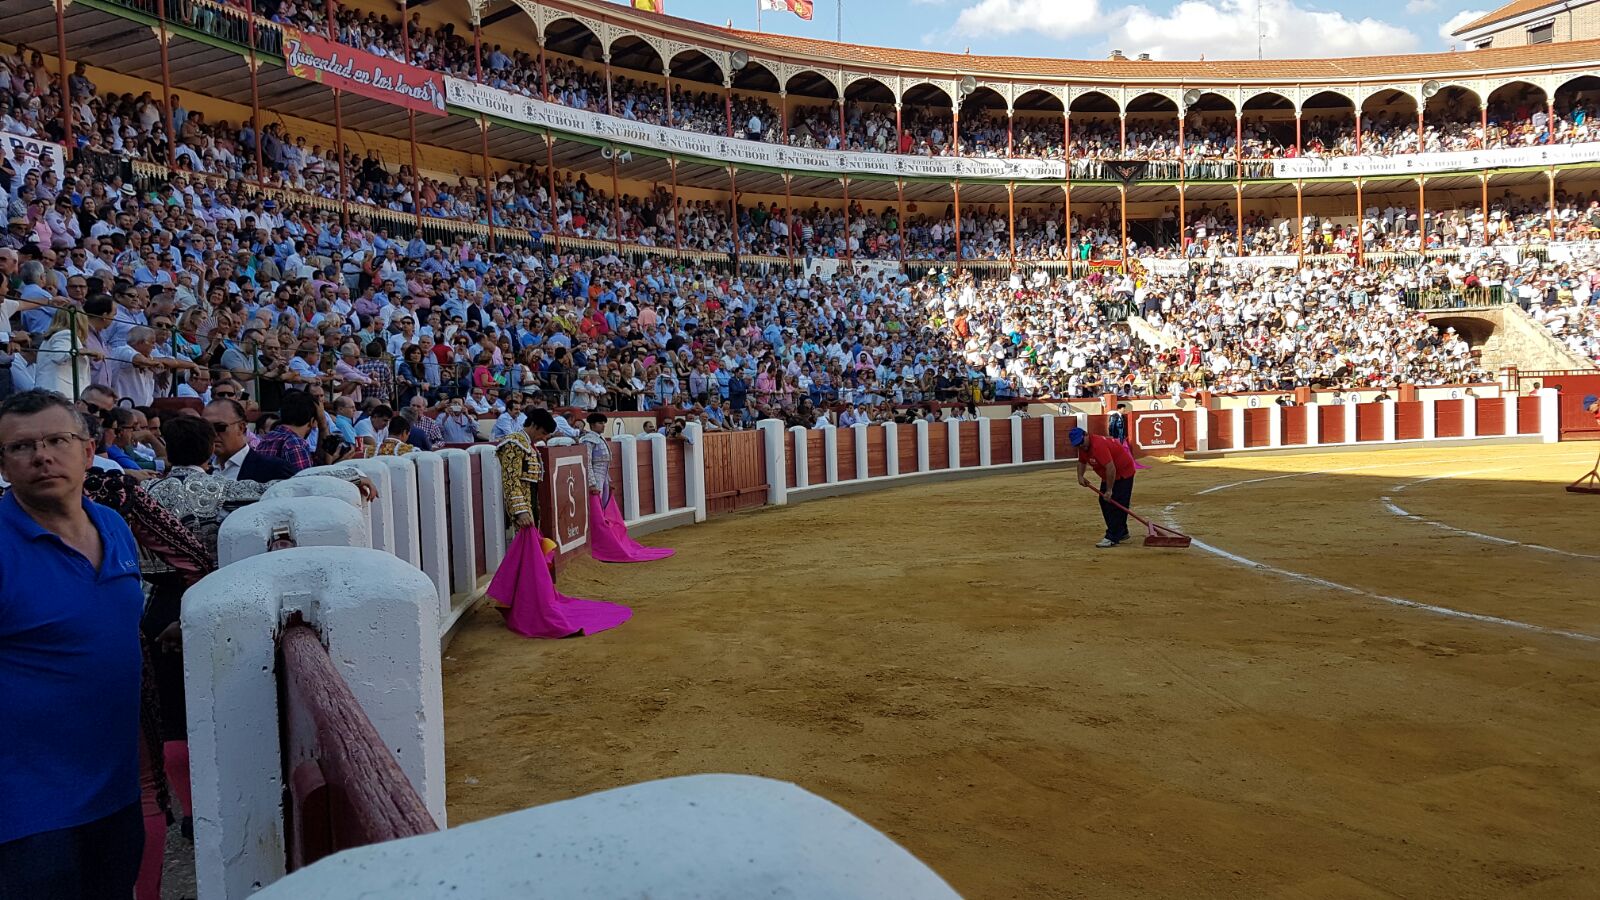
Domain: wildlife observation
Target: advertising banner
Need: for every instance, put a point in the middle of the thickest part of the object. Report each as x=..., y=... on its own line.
x=318, y=59
x=1419, y=163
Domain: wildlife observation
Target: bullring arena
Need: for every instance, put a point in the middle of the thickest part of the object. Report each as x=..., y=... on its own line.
x=849, y=315
x=1328, y=698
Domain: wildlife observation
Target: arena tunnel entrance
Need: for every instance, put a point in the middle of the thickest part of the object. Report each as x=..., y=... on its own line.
x=1475, y=330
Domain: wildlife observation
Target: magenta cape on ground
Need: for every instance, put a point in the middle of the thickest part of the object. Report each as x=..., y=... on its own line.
x=538, y=610
x=608, y=536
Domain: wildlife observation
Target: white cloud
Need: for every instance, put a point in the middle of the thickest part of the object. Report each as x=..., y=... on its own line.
x=1051, y=18
x=1227, y=29
x=1216, y=29
x=1418, y=7
x=1458, y=20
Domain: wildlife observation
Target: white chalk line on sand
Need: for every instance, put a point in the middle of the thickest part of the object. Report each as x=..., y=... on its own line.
x=1397, y=510
x=1385, y=598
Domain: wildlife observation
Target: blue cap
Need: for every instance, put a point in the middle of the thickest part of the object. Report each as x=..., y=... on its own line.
x=1590, y=401
x=1077, y=436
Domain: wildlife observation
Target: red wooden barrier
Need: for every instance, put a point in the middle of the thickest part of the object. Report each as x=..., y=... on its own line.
x=647, y=480
x=1491, y=415
x=1258, y=427
x=1369, y=421
x=1449, y=418
x=1219, y=428
x=1191, y=440
x=1408, y=420
x=677, y=477
x=905, y=437
x=736, y=471
x=969, y=444
x=816, y=457
x=480, y=541
x=847, y=454
x=1330, y=425
x=1293, y=426
x=345, y=788
x=1032, y=440
x=999, y=441
x=1528, y=418
x=877, y=452
x=791, y=461
x=1098, y=424
x=1064, y=426
x=938, y=445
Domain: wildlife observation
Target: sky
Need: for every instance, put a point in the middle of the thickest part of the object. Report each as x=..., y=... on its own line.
x=1091, y=29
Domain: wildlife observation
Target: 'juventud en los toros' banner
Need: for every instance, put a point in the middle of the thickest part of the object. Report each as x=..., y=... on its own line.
x=316, y=58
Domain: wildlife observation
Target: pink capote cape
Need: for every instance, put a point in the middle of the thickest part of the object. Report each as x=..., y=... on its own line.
x=537, y=609
x=608, y=536
x=1136, y=464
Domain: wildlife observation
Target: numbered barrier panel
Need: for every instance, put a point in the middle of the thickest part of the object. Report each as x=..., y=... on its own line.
x=877, y=452
x=969, y=444
x=1257, y=427
x=1330, y=425
x=1407, y=419
x=1449, y=418
x=1491, y=415
x=1293, y=425
x=999, y=440
x=938, y=446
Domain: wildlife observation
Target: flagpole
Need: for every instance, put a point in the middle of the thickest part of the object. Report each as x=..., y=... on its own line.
x=758, y=16
x=839, y=24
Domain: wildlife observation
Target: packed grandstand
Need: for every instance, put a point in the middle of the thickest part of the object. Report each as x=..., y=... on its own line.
x=585, y=208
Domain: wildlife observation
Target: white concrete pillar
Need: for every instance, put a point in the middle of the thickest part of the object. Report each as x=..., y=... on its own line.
x=694, y=470
x=985, y=442
x=777, y=461
x=628, y=446
x=433, y=527
x=1202, y=429
x=891, y=449
x=1389, y=415
x=860, y=431
x=380, y=512
x=1016, y=440
x=1313, y=425
x=1274, y=425
x=1049, y=437
x=378, y=618
x=310, y=484
x=305, y=520
x=797, y=444
x=1083, y=421
x=1512, y=399
x=1549, y=400
x=463, y=542
x=1349, y=423
x=1430, y=424
x=404, y=524
x=494, y=505
x=920, y=429
x=830, y=454
x=1469, y=417
x=1237, y=413
x=953, y=435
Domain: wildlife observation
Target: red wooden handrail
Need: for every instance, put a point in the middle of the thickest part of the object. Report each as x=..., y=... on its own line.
x=345, y=788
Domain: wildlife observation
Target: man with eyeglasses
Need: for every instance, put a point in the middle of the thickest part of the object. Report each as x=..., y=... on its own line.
x=70, y=665
x=236, y=461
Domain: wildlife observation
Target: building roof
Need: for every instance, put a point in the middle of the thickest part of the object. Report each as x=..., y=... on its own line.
x=1509, y=11
x=824, y=55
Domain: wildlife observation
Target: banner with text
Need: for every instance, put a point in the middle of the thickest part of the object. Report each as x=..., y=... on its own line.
x=528, y=111
x=1451, y=161
x=359, y=72
x=27, y=154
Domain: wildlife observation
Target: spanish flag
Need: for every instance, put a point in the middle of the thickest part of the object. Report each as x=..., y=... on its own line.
x=801, y=8
x=650, y=6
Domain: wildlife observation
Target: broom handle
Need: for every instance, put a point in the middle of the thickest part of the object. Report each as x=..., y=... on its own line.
x=1108, y=499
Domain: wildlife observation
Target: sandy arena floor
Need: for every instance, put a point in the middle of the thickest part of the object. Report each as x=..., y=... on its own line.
x=1395, y=708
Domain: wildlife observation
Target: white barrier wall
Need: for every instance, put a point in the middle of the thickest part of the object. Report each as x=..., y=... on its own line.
x=711, y=836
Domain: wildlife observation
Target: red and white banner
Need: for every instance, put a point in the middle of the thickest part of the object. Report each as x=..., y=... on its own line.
x=1156, y=432
x=316, y=58
x=801, y=8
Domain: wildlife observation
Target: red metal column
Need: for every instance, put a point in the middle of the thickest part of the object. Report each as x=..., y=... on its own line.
x=1483, y=180
x=255, y=92
x=1122, y=134
x=666, y=76
x=733, y=207
x=411, y=128
x=1299, y=217
x=957, y=188
x=610, y=109
x=788, y=217
x=1011, y=120
x=616, y=203
x=1550, y=111
x=483, y=137
x=1238, y=216
x=488, y=179
x=1011, y=221
x=899, y=129
x=900, y=199
x=1297, y=133
x=848, y=254
x=727, y=103
x=1122, y=197
x=844, y=140
x=677, y=231
x=1552, y=176
x=955, y=128
x=1358, y=130
x=344, y=162
x=166, y=84
x=1361, y=243
x=71, y=142
x=783, y=117
x=550, y=162
x=1422, y=213
x=544, y=73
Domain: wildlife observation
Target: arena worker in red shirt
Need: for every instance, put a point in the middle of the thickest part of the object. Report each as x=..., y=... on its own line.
x=1592, y=404
x=1114, y=464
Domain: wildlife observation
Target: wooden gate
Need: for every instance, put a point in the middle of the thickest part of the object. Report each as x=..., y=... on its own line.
x=736, y=471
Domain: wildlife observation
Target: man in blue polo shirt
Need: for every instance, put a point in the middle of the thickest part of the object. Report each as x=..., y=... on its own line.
x=70, y=666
